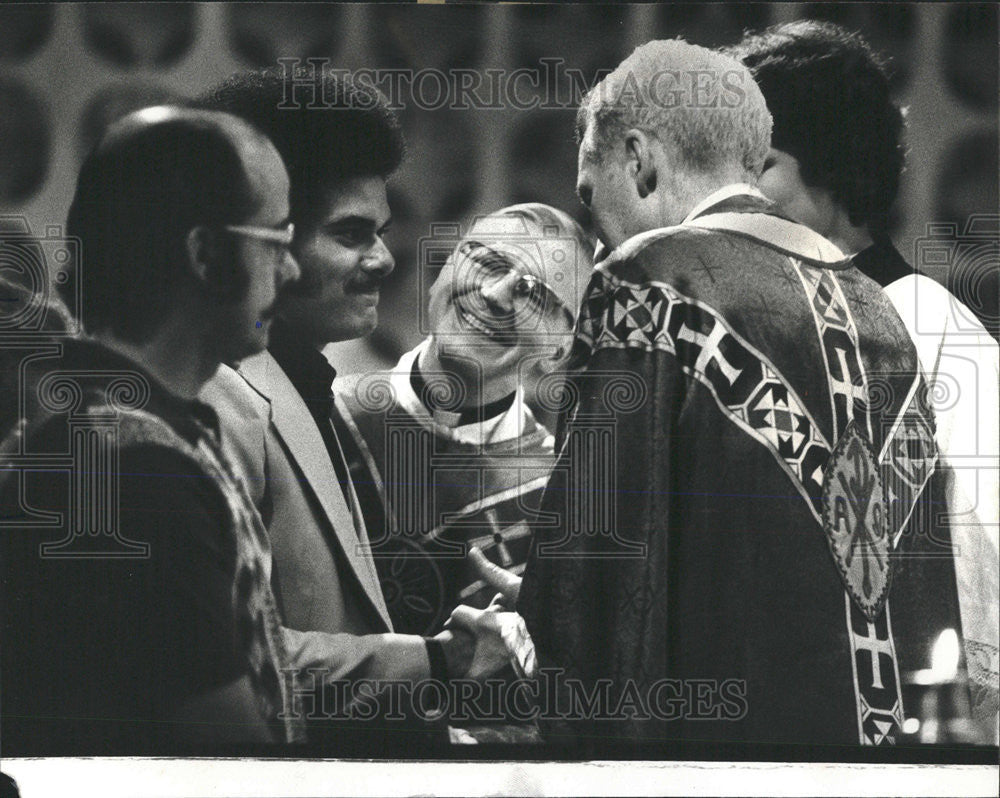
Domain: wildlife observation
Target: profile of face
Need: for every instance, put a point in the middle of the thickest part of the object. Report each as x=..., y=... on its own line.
x=343, y=261
x=261, y=247
x=508, y=293
x=603, y=186
x=781, y=181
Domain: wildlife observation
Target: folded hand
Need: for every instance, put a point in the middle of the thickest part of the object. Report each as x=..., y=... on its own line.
x=490, y=654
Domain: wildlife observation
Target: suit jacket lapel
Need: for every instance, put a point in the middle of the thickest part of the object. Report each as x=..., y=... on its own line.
x=296, y=427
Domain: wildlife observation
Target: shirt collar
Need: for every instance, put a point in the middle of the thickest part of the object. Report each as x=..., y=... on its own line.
x=717, y=197
x=503, y=427
x=309, y=371
x=456, y=418
x=741, y=209
x=883, y=263
x=720, y=195
x=189, y=417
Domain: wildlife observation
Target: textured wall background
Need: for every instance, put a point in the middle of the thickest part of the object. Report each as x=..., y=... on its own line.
x=67, y=70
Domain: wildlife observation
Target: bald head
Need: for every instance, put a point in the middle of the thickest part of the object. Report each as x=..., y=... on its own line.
x=154, y=176
x=159, y=117
x=560, y=252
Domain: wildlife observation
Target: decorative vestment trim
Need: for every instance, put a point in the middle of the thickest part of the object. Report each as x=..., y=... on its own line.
x=862, y=516
x=839, y=344
x=787, y=237
x=880, y=705
x=746, y=385
x=869, y=624
x=453, y=518
x=908, y=458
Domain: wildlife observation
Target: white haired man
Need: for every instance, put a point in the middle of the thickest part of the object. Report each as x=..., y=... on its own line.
x=445, y=449
x=730, y=495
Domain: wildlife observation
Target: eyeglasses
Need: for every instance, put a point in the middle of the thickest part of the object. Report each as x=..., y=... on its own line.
x=528, y=287
x=282, y=237
x=540, y=294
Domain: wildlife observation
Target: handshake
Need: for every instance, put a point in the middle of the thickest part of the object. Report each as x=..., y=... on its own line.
x=480, y=643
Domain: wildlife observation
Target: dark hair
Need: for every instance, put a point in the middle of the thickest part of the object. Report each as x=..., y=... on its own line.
x=327, y=127
x=828, y=92
x=139, y=193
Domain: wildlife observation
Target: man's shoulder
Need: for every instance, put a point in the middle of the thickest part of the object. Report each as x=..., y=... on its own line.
x=134, y=427
x=142, y=445
x=244, y=420
x=940, y=310
x=374, y=393
x=234, y=399
x=149, y=445
x=684, y=255
x=347, y=386
x=653, y=246
x=140, y=428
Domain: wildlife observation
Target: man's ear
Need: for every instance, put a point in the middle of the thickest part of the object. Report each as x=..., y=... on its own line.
x=560, y=354
x=202, y=253
x=640, y=161
x=211, y=263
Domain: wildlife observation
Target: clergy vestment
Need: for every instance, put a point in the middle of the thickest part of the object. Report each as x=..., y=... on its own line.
x=748, y=462
x=961, y=363
x=432, y=483
x=960, y=360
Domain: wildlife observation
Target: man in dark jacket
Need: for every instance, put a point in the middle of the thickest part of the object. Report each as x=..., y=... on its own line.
x=137, y=613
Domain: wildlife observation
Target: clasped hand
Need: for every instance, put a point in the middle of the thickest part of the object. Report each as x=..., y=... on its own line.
x=481, y=632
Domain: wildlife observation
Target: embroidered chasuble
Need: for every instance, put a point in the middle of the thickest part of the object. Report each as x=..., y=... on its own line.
x=742, y=495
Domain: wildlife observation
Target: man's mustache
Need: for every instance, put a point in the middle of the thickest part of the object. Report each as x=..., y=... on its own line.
x=304, y=286
x=312, y=284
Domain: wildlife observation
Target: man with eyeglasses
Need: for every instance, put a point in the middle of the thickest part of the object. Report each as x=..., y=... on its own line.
x=138, y=618
x=277, y=408
x=444, y=449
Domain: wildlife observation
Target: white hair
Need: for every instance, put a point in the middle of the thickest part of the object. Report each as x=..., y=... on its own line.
x=703, y=102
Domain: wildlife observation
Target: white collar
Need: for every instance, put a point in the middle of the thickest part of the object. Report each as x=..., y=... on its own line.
x=724, y=193
x=636, y=242
x=789, y=237
x=506, y=426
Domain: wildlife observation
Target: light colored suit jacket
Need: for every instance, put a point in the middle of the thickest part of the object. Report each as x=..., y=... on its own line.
x=323, y=576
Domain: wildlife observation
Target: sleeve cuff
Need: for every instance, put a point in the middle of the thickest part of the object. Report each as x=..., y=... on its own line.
x=435, y=655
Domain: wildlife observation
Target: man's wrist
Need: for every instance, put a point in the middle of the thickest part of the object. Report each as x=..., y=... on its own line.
x=438, y=660
x=450, y=654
